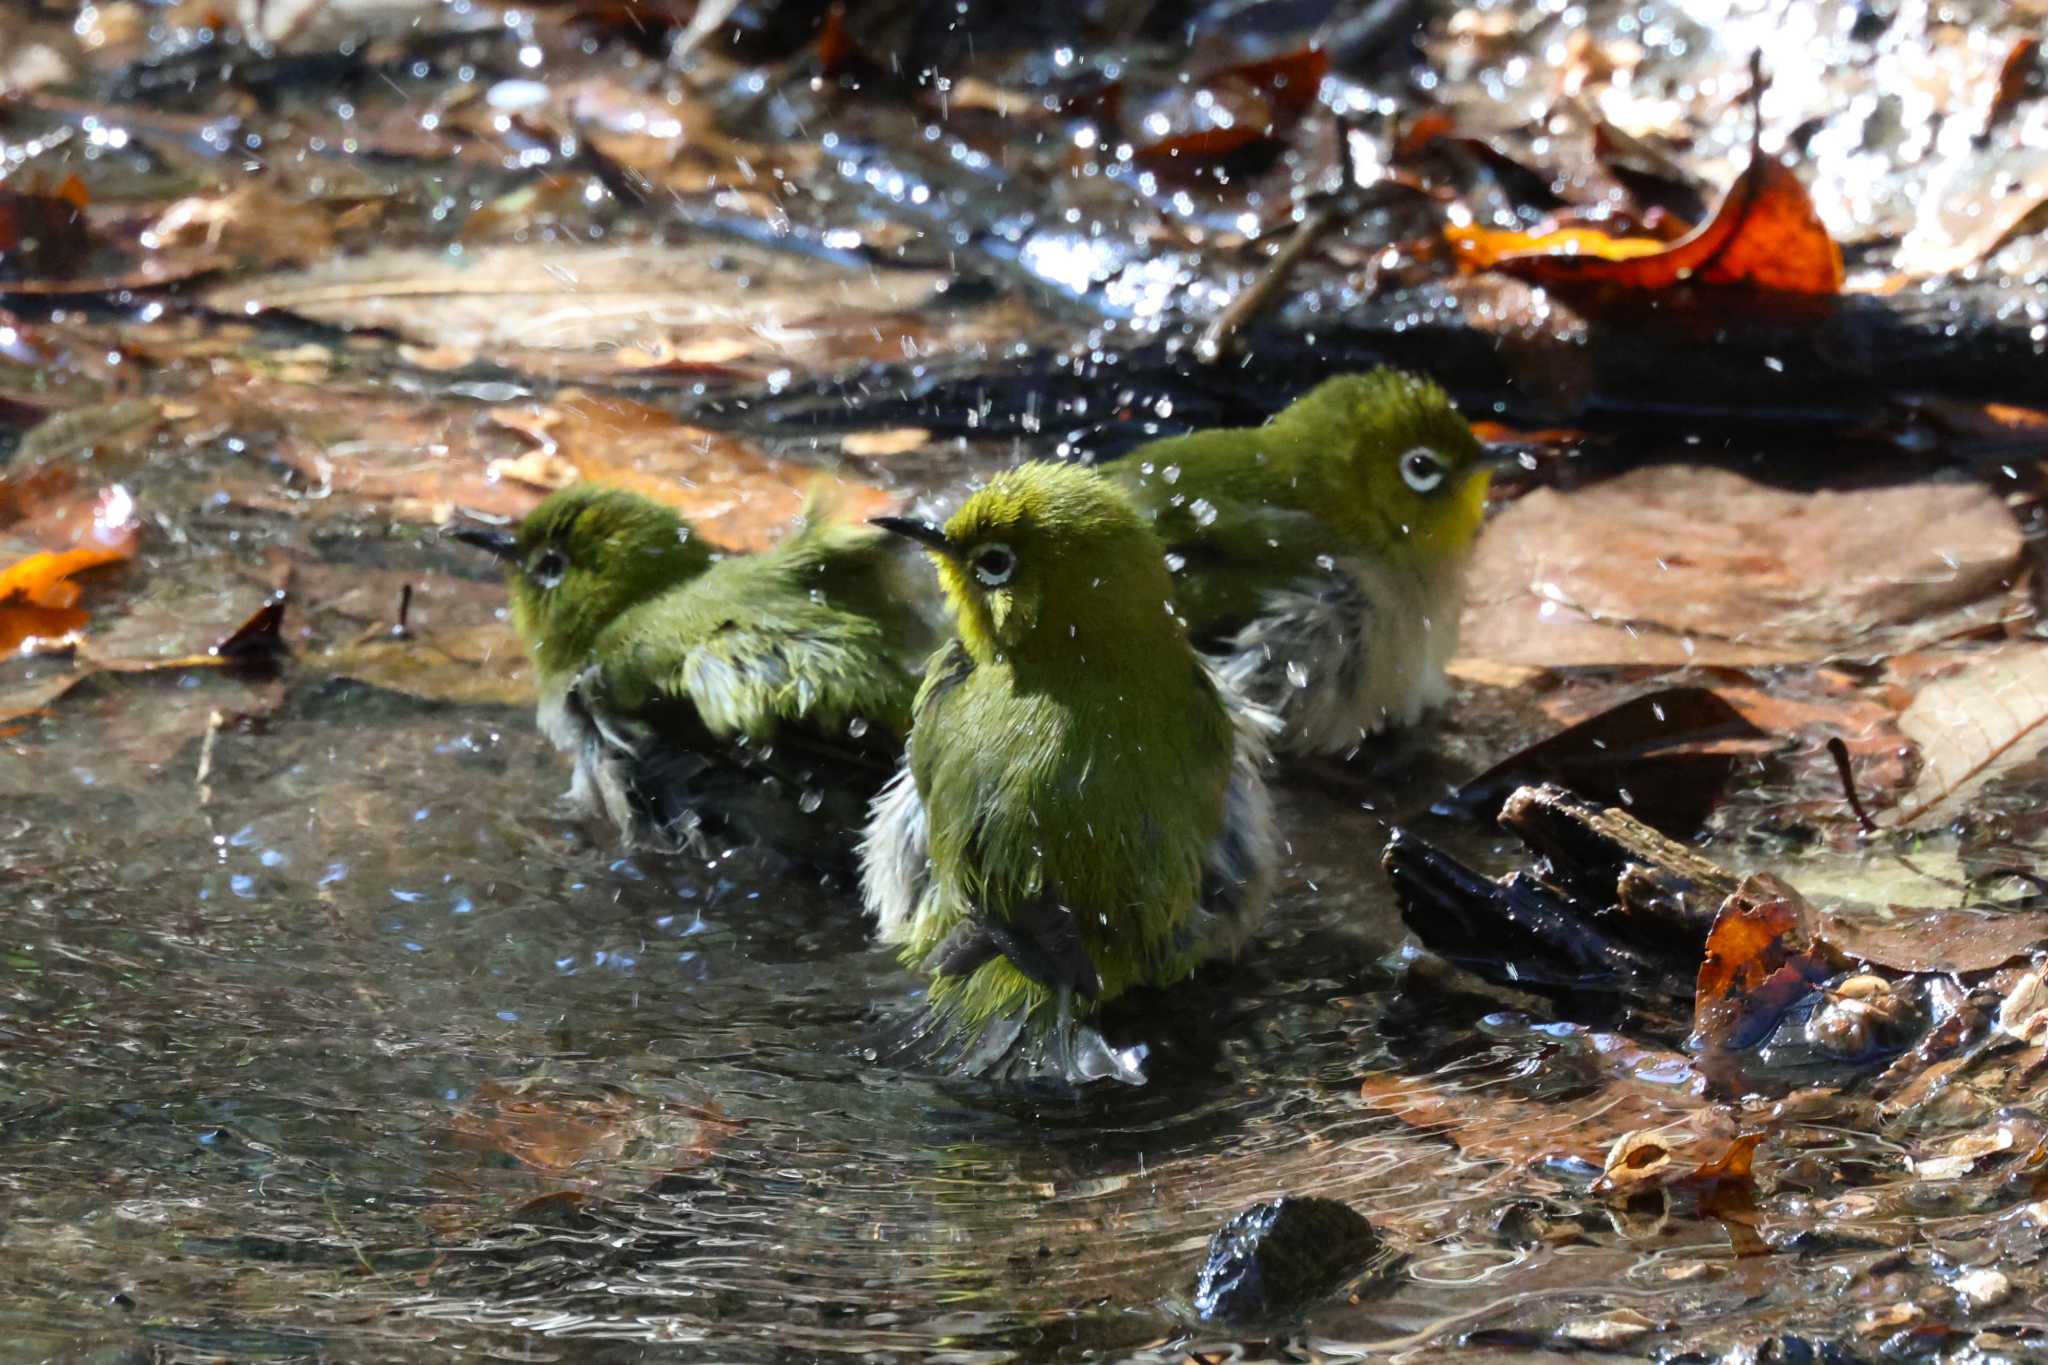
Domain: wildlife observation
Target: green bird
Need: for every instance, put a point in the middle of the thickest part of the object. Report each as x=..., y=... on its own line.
x=1080, y=811
x=710, y=700
x=1321, y=557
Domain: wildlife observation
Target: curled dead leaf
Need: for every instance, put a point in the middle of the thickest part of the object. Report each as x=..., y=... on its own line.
x=1648, y=1159
x=1764, y=236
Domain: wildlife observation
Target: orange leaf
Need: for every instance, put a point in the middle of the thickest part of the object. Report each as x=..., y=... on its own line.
x=44, y=578
x=1764, y=236
x=1485, y=248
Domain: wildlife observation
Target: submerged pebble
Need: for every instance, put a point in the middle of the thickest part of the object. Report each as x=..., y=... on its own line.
x=1279, y=1257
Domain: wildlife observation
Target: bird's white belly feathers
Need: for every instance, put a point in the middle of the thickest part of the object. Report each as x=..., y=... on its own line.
x=1346, y=654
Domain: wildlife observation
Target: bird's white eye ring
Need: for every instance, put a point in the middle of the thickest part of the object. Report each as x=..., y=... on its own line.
x=1423, y=470
x=548, y=568
x=994, y=563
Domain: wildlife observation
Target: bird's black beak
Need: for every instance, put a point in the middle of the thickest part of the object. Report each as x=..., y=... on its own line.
x=925, y=533
x=503, y=544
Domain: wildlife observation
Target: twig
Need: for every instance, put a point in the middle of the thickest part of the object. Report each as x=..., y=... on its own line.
x=1839, y=751
x=1219, y=338
x=214, y=721
x=403, y=631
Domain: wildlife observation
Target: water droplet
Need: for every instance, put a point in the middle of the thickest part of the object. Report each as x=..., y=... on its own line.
x=810, y=801
x=857, y=727
x=1297, y=674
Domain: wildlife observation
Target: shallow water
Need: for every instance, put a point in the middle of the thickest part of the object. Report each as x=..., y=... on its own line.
x=366, y=1056
x=323, y=1035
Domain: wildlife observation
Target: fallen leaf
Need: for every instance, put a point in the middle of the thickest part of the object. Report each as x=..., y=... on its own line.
x=898, y=441
x=1490, y=1124
x=2023, y=1014
x=569, y=308
x=1760, y=960
x=1676, y=564
x=734, y=493
x=1962, y=1155
x=1764, y=236
x=588, y=1130
x=1651, y=1158
x=1198, y=123
x=32, y=696
x=1970, y=727
x=1636, y=1158
x=1933, y=938
x=1664, y=756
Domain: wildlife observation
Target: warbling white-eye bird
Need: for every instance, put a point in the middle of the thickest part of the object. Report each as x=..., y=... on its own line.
x=1081, y=811
x=747, y=699
x=1321, y=557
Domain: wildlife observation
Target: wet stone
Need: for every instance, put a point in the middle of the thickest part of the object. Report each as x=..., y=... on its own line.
x=1279, y=1257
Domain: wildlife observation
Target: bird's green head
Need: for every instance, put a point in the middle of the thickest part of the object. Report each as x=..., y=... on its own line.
x=1412, y=474
x=1051, y=563
x=586, y=554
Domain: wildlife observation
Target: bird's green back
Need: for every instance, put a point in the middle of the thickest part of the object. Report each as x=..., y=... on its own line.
x=1244, y=509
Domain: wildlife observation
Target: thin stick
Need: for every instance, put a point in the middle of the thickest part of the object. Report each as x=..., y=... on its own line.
x=1219, y=338
x=1840, y=753
x=214, y=721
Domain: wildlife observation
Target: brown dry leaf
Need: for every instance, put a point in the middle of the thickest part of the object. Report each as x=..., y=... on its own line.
x=1490, y=1126
x=897, y=441
x=419, y=461
x=1935, y=939
x=1764, y=236
x=1971, y=726
x=732, y=492
x=544, y=306
x=1675, y=565
x=1653, y=1158
x=589, y=1132
x=2015, y=73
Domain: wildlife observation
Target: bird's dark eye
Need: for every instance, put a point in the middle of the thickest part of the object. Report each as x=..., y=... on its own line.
x=1423, y=470
x=993, y=564
x=547, y=568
